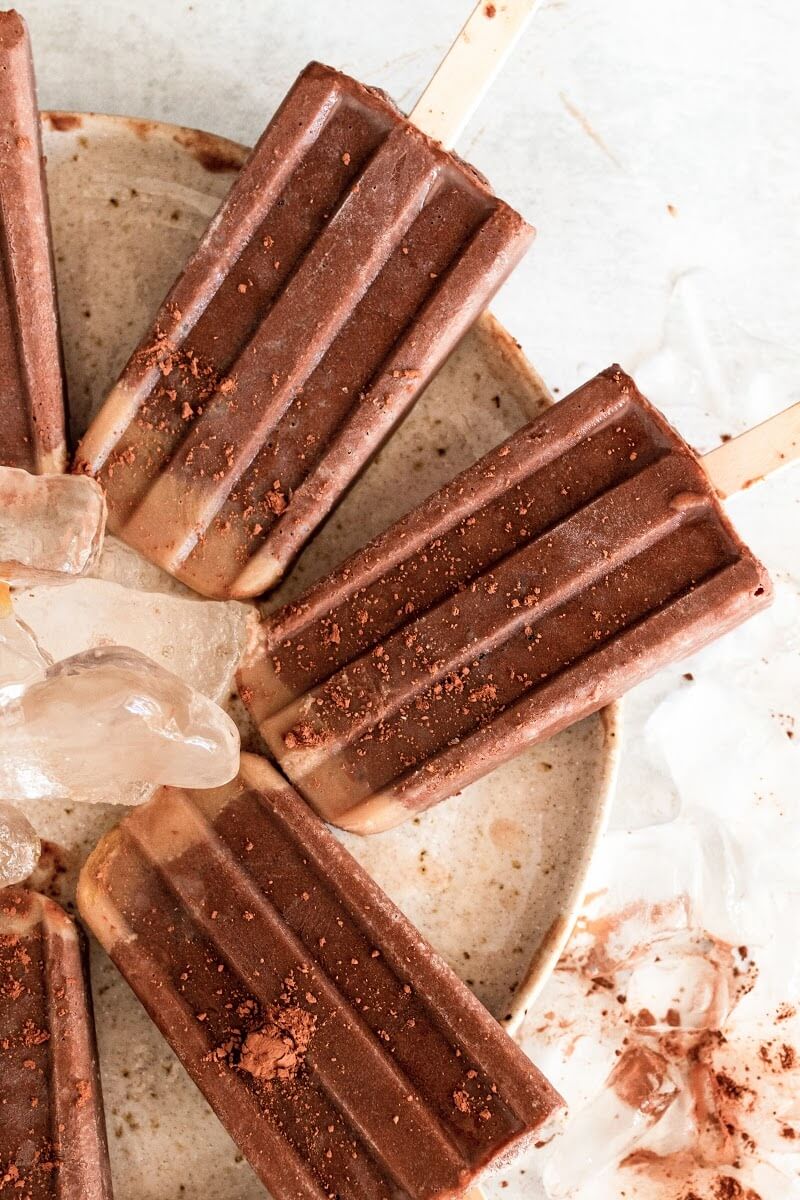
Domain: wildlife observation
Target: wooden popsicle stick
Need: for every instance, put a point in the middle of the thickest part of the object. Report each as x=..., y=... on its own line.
x=750, y=457
x=468, y=68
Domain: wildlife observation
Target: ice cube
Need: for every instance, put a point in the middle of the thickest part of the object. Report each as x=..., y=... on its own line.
x=19, y=845
x=107, y=718
x=120, y=563
x=51, y=526
x=681, y=988
x=635, y=1096
x=199, y=640
x=22, y=661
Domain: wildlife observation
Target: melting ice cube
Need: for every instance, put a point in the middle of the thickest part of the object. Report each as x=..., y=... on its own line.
x=108, y=717
x=635, y=1096
x=199, y=640
x=22, y=661
x=19, y=846
x=51, y=526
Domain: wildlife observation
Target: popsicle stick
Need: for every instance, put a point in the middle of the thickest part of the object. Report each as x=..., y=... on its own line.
x=750, y=457
x=468, y=68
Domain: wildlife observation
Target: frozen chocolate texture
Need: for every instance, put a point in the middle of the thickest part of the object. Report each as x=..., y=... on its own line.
x=347, y=261
x=52, y=1131
x=51, y=527
x=340, y=1052
x=568, y=564
x=32, y=409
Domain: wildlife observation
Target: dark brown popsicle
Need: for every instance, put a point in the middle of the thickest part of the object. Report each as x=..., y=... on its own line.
x=32, y=409
x=52, y=1130
x=349, y=258
x=341, y=1053
x=571, y=562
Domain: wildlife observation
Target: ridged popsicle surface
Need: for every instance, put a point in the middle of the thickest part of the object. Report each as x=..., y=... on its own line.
x=52, y=1128
x=32, y=398
x=343, y=1056
x=349, y=258
x=568, y=564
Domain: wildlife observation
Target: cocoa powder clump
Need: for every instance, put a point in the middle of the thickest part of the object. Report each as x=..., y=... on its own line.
x=277, y=1050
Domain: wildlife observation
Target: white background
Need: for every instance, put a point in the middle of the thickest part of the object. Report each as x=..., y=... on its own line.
x=693, y=103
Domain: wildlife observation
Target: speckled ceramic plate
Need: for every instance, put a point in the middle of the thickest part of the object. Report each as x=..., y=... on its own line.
x=492, y=877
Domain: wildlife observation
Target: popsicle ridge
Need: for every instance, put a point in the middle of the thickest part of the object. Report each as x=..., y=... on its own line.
x=351, y=255
x=52, y=1132
x=32, y=410
x=302, y=998
x=512, y=602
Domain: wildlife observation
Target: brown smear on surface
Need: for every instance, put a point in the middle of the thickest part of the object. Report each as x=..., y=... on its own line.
x=641, y=1081
x=678, y=1178
x=215, y=154
x=63, y=122
x=588, y=128
x=735, y=1091
x=141, y=127
x=505, y=834
x=598, y=957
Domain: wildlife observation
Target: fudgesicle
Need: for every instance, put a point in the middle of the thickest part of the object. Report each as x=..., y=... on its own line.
x=32, y=410
x=571, y=562
x=349, y=258
x=52, y=1129
x=340, y=1052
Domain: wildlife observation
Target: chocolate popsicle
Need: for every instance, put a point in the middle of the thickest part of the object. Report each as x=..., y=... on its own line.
x=340, y=1052
x=571, y=562
x=52, y=1131
x=32, y=405
x=349, y=258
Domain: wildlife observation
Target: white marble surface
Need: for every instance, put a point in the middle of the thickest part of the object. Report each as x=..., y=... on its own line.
x=655, y=147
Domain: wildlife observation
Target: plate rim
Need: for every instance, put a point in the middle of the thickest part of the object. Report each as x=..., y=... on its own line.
x=217, y=154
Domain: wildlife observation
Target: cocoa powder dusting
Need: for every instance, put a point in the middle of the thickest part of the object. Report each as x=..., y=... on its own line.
x=736, y=1092
x=27, y=1168
x=277, y=1050
x=302, y=734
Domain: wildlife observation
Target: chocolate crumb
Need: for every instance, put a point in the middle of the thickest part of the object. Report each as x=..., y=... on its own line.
x=277, y=1050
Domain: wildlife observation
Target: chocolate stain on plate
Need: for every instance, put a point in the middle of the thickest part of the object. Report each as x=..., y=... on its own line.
x=213, y=153
x=63, y=122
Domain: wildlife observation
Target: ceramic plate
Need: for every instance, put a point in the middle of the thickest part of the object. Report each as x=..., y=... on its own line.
x=492, y=877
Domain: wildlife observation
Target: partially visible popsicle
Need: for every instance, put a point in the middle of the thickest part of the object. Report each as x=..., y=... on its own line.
x=32, y=402
x=52, y=1130
x=349, y=258
x=341, y=1053
x=578, y=557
